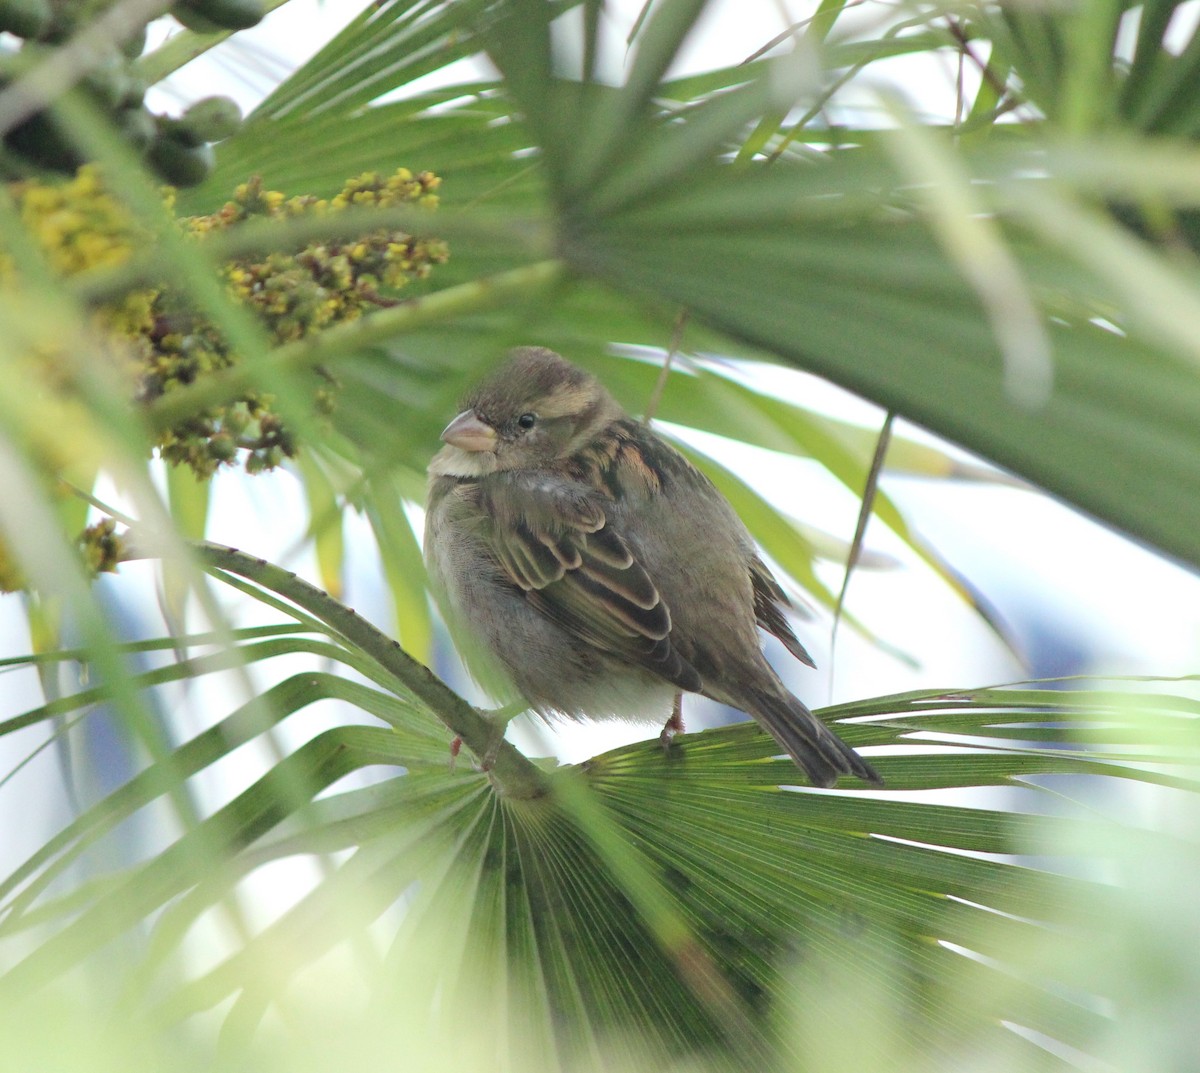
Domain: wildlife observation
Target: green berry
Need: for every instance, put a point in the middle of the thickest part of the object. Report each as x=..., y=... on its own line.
x=222, y=447
x=178, y=131
x=192, y=20
x=134, y=45
x=42, y=141
x=179, y=164
x=213, y=119
x=212, y=16
x=26, y=18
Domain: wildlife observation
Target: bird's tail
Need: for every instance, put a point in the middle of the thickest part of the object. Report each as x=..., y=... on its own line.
x=808, y=741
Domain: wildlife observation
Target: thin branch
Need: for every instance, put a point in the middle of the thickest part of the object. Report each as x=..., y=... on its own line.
x=986, y=72
x=660, y=384
x=511, y=772
x=864, y=516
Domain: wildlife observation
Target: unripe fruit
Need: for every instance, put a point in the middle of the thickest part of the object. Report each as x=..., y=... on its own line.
x=213, y=119
x=25, y=18
x=179, y=164
x=212, y=16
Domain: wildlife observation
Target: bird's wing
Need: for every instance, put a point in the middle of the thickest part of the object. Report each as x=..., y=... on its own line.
x=769, y=603
x=556, y=541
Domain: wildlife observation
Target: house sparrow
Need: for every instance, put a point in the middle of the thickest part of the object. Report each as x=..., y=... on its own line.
x=599, y=571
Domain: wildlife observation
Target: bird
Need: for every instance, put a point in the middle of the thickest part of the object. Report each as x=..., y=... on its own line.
x=594, y=570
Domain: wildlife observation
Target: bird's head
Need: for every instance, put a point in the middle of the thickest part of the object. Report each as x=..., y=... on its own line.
x=535, y=409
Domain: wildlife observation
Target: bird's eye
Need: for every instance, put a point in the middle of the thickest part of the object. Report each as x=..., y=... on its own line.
x=527, y=420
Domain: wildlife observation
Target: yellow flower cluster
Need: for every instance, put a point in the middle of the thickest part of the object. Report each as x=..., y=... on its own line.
x=326, y=283
x=101, y=548
x=294, y=293
x=76, y=222
x=77, y=226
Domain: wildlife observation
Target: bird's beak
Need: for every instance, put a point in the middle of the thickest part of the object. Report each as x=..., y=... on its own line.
x=468, y=433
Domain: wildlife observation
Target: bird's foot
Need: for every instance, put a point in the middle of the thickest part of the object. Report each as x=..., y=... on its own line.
x=674, y=725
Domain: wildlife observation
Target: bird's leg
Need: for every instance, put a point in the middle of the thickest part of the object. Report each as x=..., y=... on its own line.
x=674, y=725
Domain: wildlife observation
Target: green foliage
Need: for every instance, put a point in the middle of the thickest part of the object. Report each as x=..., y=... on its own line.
x=1023, y=282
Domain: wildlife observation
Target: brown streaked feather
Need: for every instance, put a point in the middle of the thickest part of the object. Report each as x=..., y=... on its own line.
x=578, y=571
x=511, y=566
x=615, y=463
x=567, y=555
x=630, y=585
x=590, y=622
x=607, y=546
x=538, y=562
x=652, y=623
x=634, y=468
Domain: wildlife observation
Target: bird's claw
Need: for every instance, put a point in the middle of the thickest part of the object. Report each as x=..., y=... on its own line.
x=673, y=726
